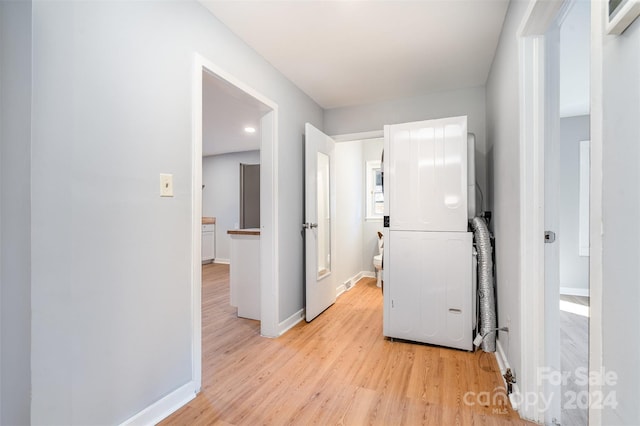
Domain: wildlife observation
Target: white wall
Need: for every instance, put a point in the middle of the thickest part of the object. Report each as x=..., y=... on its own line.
x=15, y=227
x=574, y=60
x=111, y=323
x=503, y=135
x=365, y=118
x=221, y=194
x=621, y=227
x=371, y=151
x=574, y=269
x=349, y=213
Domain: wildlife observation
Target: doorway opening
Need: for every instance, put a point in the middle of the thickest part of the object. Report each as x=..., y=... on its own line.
x=356, y=241
x=550, y=174
x=573, y=211
x=358, y=217
x=209, y=78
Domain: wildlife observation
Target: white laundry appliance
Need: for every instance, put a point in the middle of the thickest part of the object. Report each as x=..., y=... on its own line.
x=428, y=284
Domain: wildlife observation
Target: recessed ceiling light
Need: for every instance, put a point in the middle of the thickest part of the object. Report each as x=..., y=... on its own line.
x=250, y=129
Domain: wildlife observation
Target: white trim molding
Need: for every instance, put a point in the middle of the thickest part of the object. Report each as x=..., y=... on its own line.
x=626, y=13
x=574, y=291
x=531, y=220
x=515, y=397
x=350, y=137
x=353, y=281
x=196, y=221
x=161, y=409
x=595, y=206
x=535, y=89
x=269, y=257
x=290, y=322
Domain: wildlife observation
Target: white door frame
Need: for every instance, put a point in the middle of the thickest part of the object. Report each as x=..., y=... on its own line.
x=534, y=90
x=599, y=9
x=533, y=93
x=268, y=210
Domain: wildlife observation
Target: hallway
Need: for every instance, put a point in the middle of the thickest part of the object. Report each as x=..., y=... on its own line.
x=336, y=370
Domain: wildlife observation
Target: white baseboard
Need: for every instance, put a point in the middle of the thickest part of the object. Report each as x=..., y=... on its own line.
x=573, y=291
x=290, y=322
x=163, y=408
x=503, y=364
x=222, y=261
x=351, y=282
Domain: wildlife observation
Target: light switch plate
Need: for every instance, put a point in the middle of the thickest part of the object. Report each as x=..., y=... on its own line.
x=166, y=185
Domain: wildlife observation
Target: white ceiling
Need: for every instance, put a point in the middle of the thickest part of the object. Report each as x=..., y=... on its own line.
x=226, y=111
x=351, y=52
x=357, y=52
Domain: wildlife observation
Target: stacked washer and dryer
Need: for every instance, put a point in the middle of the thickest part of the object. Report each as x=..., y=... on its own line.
x=429, y=265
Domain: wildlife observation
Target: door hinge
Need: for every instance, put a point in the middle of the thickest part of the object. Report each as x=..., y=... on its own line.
x=386, y=221
x=549, y=237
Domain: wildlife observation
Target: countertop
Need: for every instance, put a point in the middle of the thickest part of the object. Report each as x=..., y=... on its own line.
x=208, y=220
x=251, y=231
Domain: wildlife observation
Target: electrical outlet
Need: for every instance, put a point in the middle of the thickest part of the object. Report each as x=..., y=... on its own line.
x=166, y=185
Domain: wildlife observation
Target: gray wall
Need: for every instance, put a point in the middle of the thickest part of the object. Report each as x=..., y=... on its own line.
x=15, y=226
x=349, y=214
x=574, y=269
x=503, y=159
x=365, y=118
x=111, y=264
x=621, y=227
x=221, y=195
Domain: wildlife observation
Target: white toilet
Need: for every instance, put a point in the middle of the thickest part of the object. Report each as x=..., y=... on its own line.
x=377, y=259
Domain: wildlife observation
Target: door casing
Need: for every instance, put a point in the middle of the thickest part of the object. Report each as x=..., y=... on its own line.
x=269, y=256
x=538, y=81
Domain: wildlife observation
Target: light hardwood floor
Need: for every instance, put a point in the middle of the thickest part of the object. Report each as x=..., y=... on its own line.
x=338, y=369
x=574, y=353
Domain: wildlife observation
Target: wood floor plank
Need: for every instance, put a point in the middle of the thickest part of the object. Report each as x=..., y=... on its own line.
x=338, y=369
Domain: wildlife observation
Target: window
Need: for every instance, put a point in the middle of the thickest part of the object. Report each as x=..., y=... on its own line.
x=374, y=195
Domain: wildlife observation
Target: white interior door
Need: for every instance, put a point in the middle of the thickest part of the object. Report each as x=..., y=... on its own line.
x=319, y=224
x=553, y=388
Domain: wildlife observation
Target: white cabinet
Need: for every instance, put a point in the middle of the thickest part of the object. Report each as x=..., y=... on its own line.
x=208, y=242
x=244, y=272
